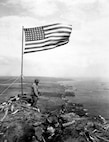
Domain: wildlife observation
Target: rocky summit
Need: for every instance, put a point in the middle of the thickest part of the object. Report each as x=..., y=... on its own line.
x=51, y=120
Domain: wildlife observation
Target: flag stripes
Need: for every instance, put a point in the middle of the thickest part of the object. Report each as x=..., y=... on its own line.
x=51, y=47
x=46, y=37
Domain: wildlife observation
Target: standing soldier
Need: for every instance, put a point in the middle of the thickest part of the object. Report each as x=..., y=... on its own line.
x=35, y=92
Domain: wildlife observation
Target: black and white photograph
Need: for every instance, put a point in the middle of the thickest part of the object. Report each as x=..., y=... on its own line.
x=54, y=71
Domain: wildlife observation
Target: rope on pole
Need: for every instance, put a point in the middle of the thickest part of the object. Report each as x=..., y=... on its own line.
x=4, y=83
x=7, y=80
x=9, y=86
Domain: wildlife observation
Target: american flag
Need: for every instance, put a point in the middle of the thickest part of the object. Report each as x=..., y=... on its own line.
x=46, y=37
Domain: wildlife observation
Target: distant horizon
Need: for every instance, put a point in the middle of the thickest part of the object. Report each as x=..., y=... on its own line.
x=60, y=77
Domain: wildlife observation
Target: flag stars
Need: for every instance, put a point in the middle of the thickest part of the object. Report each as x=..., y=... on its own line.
x=33, y=34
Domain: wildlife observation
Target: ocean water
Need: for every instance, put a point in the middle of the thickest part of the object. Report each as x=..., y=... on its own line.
x=92, y=93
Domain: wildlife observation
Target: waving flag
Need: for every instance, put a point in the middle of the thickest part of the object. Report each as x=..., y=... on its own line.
x=46, y=37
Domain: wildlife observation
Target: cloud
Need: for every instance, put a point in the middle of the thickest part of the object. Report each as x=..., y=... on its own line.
x=77, y=9
x=75, y=12
x=84, y=10
x=88, y=46
x=72, y=10
x=36, y=7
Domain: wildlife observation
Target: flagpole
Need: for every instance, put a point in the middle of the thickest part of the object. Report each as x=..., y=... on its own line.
x=22, y=63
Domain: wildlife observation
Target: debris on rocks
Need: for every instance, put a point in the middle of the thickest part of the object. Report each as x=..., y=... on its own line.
x=21, y=122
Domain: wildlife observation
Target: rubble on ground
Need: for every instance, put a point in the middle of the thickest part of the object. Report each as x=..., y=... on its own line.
x=21, y=122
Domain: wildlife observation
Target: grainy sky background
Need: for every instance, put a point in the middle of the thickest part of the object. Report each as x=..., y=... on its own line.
x=87, y=53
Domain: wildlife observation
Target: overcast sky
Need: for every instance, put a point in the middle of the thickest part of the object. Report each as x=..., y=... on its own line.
x=86, y=54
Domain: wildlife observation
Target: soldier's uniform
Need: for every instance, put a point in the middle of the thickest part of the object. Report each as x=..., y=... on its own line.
x=35, y=93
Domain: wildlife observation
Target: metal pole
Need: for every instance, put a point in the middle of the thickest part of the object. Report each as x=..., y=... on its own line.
x=22, y=63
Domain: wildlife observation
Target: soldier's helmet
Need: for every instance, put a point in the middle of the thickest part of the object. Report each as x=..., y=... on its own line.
x=36, y=81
